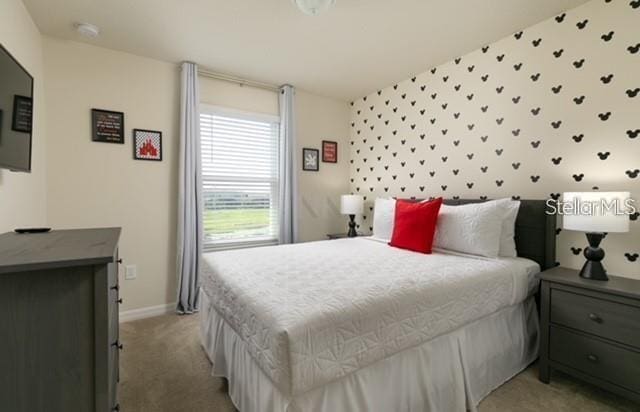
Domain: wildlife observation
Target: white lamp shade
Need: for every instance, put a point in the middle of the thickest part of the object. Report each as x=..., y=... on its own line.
x=595, y=211
x=351, y=204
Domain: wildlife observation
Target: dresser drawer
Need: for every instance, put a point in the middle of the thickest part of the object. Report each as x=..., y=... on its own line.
x=114, y=378
x=114, y=318
x=595, y=357
x=611, y=320
x=112, y=270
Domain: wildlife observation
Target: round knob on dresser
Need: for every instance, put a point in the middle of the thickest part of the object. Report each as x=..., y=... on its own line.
x=595, y=318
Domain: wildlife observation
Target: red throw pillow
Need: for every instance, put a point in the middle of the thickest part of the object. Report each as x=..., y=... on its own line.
x=415, y=225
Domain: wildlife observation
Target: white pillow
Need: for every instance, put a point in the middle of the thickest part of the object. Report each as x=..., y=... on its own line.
x=384, y=215
x=507, y=238
x=473, y=228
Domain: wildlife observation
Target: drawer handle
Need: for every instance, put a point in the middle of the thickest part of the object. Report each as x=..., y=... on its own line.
x=119, y=260
x=118, y=345
x=595, y=318
x=116, y=408
x=592, y=357
x=116, y=287
x=120, y=300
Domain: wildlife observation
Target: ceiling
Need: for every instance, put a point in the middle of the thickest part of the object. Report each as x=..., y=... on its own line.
x=352, y=50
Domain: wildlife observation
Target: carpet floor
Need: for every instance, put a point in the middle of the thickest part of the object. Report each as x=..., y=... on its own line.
x=163, y=368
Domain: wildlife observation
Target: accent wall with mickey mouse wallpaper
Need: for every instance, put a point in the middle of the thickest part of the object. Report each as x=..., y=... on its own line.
x=552, y=108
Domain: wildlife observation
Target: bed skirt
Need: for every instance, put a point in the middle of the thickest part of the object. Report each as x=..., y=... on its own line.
x=452, y=372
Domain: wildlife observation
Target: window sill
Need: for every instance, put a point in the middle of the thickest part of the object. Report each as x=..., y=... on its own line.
x=215, y=247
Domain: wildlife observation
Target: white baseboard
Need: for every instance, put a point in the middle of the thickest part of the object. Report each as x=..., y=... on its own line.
x=148, y=312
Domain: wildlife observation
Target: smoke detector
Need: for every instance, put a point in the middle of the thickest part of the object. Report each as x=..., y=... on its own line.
x=87, y=30
x=314, y=7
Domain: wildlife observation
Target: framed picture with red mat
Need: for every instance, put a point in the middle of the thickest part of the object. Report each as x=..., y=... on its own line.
x=329, y=151
x=147, y=145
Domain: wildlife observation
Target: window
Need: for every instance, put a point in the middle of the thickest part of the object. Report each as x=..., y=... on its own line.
x=239, y=177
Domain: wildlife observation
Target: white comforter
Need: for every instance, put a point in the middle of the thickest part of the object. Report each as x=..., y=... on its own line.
x=313, y=312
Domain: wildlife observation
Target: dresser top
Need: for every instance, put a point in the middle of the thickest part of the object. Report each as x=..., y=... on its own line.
x=616, y=285
x=58, y=248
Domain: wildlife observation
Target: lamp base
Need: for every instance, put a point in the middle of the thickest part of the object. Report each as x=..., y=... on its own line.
x=352, y=226
x=593, y=268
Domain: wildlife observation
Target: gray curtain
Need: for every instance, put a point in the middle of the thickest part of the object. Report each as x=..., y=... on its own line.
x=190, y=234
x=288, y=210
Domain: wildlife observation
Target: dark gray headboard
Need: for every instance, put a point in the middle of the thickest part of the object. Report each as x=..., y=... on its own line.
x=535, y=230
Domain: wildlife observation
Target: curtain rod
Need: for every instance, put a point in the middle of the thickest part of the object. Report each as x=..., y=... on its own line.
x=237, y=80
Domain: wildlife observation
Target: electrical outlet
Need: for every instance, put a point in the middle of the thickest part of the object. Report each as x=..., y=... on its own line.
x=130, y=272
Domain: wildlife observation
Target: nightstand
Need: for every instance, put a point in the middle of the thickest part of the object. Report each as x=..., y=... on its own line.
x=332, y=236
x=591, y=330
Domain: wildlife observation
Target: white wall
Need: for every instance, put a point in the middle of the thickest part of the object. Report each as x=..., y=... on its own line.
x=234, y=96
x=23, y=195
x=99, y=184
x=321, y=118
x=437, y=133
x=93, y=184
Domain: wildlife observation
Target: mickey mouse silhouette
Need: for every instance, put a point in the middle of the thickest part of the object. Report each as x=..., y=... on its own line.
x=631, y=257
x=606, y=79
x=607, y=36
x=633, y=93
x=632, y=173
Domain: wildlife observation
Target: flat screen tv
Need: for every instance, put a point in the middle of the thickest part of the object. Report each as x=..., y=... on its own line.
x=16, y=114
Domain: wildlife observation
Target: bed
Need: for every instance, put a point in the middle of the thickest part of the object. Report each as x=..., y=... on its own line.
x=354, y=324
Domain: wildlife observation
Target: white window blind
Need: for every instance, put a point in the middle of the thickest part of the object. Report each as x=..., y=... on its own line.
x=240, y=177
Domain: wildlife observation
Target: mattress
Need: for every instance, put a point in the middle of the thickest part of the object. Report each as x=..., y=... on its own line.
x=314, y=312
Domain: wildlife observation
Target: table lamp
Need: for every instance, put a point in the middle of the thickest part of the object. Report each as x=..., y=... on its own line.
x=351, y=205
x=596, y=213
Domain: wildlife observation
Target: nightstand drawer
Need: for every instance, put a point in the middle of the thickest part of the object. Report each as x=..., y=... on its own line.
x=611, y=320
x=595, y=357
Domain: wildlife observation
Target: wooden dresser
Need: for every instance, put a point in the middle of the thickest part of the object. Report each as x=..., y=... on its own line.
x=59, y=299
x=591, y=329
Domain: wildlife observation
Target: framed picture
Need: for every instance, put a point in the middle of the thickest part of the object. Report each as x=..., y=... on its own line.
x=147, y=144
x=329, y=151
x=310, y=159
x=22, y=114
x=107, y=126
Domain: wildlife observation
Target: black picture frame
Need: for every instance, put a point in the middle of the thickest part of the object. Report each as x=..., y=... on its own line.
x=333, y=148
x=22, y=119
x=139, y=134
x=107, y=126
x=309, y=166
